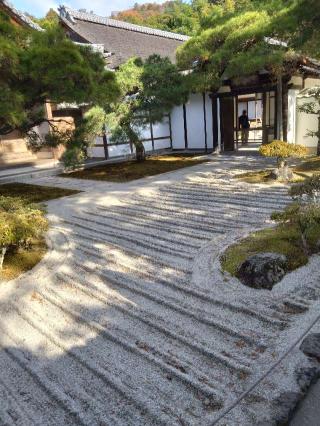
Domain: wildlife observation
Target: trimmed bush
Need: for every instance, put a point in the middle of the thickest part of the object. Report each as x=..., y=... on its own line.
x=309, y=190
x=281, y=150
x=20, y=222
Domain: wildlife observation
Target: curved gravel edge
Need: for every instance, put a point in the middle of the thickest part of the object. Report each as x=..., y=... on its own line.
x=285, y=404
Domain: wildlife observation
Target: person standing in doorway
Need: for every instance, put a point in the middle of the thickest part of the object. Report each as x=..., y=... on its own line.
x=244, y=125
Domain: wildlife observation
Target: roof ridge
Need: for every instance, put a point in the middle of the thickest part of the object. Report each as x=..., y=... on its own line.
x=67, y=12
x=22, y=16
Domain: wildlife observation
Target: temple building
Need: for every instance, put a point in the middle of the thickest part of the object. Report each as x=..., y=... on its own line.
x=209, y=121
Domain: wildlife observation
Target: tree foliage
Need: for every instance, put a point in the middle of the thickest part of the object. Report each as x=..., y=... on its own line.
x=304, y=216
x=50, y=20
x=176, y=16
x=312, y=106
x=237, y=38
x=40, y=66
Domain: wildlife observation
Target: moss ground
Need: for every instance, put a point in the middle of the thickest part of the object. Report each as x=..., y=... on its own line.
x=302, y=170
x=131, y=170
x=282, y=239
x=17, y=263
x=34, y=193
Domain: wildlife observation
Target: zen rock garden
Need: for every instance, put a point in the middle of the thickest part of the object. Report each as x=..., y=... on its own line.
x=159, y=213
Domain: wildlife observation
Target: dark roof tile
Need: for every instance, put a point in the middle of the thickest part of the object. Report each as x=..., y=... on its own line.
x=122, y=39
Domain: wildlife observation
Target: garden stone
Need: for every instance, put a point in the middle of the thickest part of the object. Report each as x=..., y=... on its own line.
x=282, y=174
x=263, y=270
x=311, y=346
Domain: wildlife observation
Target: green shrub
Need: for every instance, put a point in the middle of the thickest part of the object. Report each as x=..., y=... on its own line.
x=308, y=190
x=20, y=222
x=281, y=150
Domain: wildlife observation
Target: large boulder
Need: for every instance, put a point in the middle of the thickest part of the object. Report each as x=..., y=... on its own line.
x=263, y=270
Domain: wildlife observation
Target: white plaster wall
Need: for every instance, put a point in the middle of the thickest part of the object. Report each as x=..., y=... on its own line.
x=162, y=144
x=118, y=150
x=147, y=146
x=195, y=122
x=177, y=128
x=97, y=152
x=162, y=129
x=292, y=108
x=143, y=132
x=305, y=123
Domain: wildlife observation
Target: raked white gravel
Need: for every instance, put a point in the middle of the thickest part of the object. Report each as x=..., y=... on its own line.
x=129, y=320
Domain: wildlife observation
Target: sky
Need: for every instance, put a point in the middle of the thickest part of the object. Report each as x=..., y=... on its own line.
x=39, y=8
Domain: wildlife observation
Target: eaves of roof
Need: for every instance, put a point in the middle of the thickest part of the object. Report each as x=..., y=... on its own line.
x=20, y=16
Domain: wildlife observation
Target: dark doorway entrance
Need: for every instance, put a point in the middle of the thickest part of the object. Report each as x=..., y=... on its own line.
x=261, y=110
x=227, y=123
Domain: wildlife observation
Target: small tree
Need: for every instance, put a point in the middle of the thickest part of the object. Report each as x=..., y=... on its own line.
x=303, y=216
x=312, y=107
x=304, y=212
x=149, y=90
x=37, y=66
x=282, y=151
x=76, y=140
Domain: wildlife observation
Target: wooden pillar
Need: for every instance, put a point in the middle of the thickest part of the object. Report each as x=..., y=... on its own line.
x=236, y=120
x=264, y=118
x=170, y=130
x=205, y=122
x=279, y=133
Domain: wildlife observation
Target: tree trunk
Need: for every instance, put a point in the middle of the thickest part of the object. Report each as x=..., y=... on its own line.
x=3, y=251
x=140, y=151
x=134, y=139
x=279, y=108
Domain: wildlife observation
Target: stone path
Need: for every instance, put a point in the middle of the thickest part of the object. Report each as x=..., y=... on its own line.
x=128, y=320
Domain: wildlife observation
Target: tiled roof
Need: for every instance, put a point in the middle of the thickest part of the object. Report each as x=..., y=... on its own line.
x=20, y=16
x=120, y=39
x=90, y=17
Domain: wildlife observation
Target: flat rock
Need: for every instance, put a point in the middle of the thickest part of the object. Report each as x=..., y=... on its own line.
x=263, y=270
x=311, y=345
